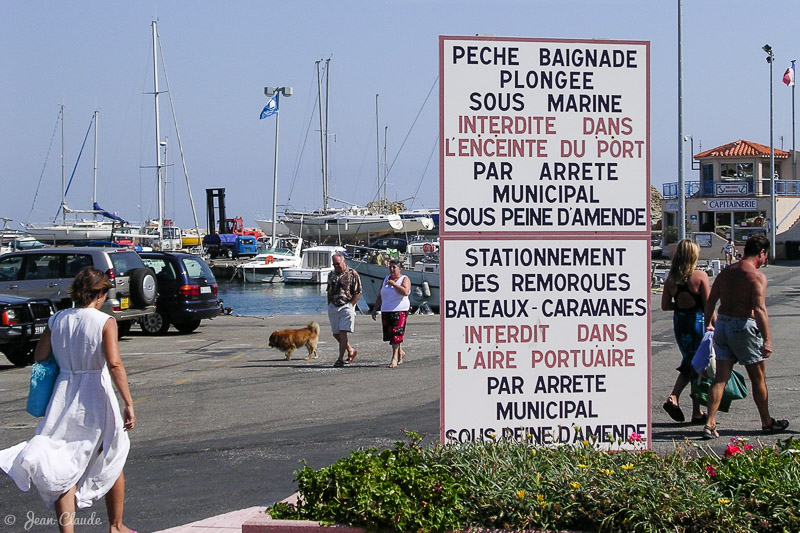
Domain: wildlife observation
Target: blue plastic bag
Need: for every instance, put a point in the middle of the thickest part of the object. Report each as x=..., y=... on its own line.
x=702, y=358
x=43, y=380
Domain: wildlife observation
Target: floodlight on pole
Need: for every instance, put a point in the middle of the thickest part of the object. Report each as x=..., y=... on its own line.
x=276, y=92
x=773, y=221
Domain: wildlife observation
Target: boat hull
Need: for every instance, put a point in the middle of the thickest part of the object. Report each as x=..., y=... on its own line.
x=424, y=285
x=262, y=275
x=343, y=226
x=307, y=276
x=72, y=233
x=267, y=267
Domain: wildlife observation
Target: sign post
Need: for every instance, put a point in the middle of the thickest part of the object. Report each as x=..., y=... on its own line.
x=545, y=240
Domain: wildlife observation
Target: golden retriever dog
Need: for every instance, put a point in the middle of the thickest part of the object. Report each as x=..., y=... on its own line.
x=289, y=340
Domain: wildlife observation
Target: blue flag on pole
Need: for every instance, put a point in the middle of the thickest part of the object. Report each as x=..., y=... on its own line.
x=271, y=108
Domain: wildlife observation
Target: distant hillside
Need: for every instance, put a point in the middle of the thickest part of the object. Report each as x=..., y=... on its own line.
x=655, y=204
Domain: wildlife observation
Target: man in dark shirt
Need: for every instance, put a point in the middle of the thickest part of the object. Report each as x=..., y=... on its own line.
x=344, y=290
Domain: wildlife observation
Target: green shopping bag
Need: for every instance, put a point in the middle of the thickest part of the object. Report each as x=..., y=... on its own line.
x=735, y=389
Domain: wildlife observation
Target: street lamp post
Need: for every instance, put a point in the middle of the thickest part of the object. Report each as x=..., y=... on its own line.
x=276, y=92
x=681, y=178
x=773, y=221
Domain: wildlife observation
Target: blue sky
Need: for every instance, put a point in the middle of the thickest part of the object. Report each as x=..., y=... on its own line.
x=220, y=55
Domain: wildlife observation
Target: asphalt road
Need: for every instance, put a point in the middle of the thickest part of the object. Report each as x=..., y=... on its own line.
x=223, y=421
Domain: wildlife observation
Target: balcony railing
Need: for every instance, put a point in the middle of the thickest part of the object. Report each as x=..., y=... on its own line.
x=708, y=189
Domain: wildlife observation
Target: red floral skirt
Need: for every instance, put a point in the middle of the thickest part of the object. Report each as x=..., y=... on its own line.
x=394, y=326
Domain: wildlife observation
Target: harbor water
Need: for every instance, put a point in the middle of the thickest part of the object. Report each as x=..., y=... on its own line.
x=266, y=299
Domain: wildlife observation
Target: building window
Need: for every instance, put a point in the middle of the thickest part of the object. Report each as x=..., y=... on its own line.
x=708, y=172
x=736, y=171
x=765, y=171
x=743, y=224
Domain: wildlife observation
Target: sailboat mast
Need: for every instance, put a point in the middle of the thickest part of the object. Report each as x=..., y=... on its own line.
x=378, y=144
x=158, y=135
x=385, y=163
x=322, y=143
x=327, y=101
x=180, y=144
x=94, y=179
x=63, y=173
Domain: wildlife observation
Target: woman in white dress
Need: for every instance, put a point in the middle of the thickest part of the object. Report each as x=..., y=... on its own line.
x=394, y=305
x=80, y=446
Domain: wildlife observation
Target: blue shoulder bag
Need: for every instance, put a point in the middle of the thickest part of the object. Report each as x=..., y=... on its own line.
x=43, y=380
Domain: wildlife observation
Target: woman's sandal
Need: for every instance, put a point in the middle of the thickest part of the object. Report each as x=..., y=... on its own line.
x=674, y=411
x=776, y=426
x=710, y=432
x=350, y=357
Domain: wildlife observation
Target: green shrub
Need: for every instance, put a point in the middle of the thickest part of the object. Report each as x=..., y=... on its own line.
x=512, y=485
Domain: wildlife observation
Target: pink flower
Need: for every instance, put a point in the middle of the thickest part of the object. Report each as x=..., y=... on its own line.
x=732, y=450
x=635, y=437
x=748, y=446
x=710, y=470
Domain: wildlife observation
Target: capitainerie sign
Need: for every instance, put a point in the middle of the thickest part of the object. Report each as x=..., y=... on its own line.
x=545, y=248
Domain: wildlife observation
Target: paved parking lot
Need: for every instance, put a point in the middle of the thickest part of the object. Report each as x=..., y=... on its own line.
x=223, y=421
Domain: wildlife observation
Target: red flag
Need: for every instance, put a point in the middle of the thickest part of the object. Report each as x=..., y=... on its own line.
x=788, y=76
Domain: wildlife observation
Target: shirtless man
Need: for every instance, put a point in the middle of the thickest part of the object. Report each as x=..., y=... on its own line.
x=741, y=333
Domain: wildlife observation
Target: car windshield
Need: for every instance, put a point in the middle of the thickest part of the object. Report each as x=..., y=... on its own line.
x=125, y=262
x=197, y=270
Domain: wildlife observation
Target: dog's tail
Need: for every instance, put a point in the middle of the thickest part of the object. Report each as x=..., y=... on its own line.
x=313, y=326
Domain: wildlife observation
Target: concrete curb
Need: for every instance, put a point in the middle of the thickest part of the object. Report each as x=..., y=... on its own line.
x=224, y=523
x=263, y=523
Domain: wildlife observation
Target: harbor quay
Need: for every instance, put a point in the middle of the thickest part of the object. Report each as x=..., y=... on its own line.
x=223, y=420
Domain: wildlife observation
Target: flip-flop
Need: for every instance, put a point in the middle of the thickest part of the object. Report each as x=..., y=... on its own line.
x=674, y=411
x=710, y=433
x=776, y=426
x=338, y=363
x=351, y=357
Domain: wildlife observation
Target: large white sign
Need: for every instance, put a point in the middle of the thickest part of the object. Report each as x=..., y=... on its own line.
x=546, y=340
x=544, y=135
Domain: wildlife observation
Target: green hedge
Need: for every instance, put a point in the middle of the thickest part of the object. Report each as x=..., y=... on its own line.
x=512, y=485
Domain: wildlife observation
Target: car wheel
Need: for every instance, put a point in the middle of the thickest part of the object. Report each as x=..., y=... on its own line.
x=19, y=355
x=144, y=287
x=123, y=328
x=155, y=324
x=188, y=327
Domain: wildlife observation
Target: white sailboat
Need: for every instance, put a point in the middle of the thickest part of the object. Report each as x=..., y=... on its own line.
x=78, y=231
x=160, y=233
x=345, y=223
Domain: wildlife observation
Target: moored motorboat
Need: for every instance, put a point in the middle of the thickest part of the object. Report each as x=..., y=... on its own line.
x=267, y=266
x=316, y=266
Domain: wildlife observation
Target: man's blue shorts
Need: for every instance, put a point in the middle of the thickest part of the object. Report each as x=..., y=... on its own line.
x=737, y=339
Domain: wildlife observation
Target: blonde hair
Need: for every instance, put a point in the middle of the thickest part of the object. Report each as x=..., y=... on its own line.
x=684, y=262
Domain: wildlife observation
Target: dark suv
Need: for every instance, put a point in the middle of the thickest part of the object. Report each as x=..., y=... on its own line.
x=48, y=273
x=187, y=292
x=22, y=322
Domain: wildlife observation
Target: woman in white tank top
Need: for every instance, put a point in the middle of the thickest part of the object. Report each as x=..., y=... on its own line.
x=394, y=305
